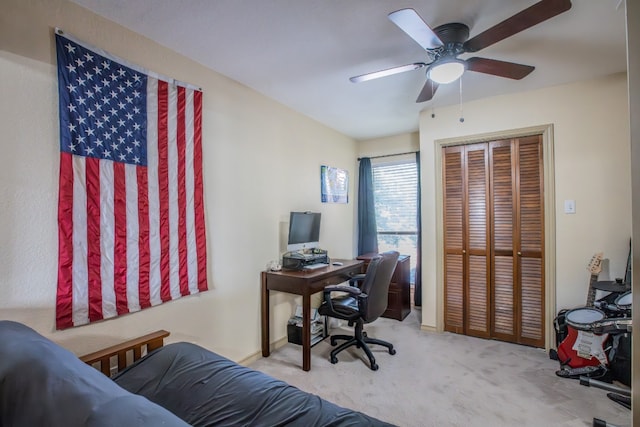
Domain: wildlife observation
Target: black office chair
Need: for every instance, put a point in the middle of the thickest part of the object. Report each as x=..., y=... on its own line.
x=361, y=305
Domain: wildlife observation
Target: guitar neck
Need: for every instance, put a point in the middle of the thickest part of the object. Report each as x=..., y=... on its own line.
x=591, y=295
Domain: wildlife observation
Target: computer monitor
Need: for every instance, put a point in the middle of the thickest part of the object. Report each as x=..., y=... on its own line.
x=304, y=230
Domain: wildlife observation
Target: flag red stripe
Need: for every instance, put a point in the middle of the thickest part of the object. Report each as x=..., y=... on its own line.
x=92, y=177
x=182, y=196
x=120, y=238
x=64, y=307
x=163, y=188
x=144, y=250
x=201, y=243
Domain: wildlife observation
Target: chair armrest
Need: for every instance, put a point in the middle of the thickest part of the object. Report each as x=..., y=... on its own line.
x=326, y=293
x=356, y=278
x=351, y=290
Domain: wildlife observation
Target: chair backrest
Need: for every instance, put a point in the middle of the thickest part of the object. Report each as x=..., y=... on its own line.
x=376, y=285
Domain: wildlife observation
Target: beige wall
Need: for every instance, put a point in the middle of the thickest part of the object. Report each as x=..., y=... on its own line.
x=261, y=160
x=397, y=144
x=591, y=149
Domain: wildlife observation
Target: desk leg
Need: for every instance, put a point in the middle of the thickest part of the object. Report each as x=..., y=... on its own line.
x=306, y=332
x=265, y=316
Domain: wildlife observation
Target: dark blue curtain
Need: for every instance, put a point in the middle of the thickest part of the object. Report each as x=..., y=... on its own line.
x=367, y=230
x=417, y=295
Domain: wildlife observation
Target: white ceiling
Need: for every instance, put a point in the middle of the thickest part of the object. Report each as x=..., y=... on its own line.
x=301, y=53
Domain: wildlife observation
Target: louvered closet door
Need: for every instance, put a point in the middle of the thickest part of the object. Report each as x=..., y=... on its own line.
x=503, y=265
x=477, y=314
x=466, y=239
x=493, y=240
x=453, y=219
x=517, y=240
x=530, y=253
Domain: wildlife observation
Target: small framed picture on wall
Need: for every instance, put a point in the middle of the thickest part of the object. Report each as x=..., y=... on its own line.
x=334, y=185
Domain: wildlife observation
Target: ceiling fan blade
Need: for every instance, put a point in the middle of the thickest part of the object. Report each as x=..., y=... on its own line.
x=510, y=70
x=428, y=90
x=387, y=72
x=527, y=18
x=411, y=23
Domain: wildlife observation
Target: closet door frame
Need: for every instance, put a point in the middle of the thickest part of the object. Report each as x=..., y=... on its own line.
x=546, y=131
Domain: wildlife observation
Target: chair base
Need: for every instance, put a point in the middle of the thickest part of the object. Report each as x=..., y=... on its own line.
x=360, y=340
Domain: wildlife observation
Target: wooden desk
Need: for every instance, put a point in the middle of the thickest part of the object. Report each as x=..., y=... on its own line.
x=305, y=283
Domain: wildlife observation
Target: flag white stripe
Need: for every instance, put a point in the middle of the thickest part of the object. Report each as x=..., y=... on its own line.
x=133, y=233
x=172, y=169
x=80, y=269
x=154, y=196
x=192, y=256
x=107, y=239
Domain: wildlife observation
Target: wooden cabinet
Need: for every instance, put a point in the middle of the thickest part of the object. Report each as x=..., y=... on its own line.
x=493, y=240
x=399, y=302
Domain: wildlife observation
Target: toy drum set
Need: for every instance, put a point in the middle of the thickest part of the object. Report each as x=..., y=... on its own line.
x=595, y=341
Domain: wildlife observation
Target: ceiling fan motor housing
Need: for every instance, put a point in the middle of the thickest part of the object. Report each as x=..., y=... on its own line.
x=453, y=36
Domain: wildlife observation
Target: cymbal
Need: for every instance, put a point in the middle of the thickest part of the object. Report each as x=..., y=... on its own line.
x=612, y=286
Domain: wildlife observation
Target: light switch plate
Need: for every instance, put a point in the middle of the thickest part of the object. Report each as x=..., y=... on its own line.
x=569, y=206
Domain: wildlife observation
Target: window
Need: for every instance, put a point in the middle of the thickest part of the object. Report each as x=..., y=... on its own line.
x=396, y=204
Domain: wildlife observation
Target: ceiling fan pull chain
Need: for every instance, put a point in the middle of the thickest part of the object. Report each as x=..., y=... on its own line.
x=461, y=114
x=433, y=91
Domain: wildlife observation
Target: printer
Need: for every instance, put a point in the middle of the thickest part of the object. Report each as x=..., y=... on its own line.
x=298, y=260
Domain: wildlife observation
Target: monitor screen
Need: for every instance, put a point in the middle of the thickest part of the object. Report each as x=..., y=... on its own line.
x=304, y=230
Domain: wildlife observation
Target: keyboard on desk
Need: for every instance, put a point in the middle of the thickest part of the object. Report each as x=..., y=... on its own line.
x=315, y=266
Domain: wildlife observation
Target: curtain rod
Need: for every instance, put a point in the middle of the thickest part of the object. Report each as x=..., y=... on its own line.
x=390, y=155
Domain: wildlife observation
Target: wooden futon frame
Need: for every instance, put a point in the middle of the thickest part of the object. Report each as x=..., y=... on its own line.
x=124, y=353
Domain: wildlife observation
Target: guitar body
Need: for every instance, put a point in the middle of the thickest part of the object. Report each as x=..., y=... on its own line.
x=581, y=347
x=576, y=351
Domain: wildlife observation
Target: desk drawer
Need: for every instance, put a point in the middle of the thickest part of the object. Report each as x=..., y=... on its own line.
x=327, y=281
x=336, y=280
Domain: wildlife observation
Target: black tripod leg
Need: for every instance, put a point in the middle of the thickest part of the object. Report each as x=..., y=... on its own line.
x=602, y=423
x=623, y=400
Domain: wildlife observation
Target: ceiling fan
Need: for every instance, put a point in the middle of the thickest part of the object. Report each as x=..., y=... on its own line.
x=444, y=43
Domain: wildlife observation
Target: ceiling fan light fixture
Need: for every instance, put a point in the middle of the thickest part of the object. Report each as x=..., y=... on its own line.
x=447, y=71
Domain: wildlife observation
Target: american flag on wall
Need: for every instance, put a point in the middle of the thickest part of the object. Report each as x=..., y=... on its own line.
x=131, y=222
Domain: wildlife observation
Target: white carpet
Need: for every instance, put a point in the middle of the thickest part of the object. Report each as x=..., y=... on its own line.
x=445, y=380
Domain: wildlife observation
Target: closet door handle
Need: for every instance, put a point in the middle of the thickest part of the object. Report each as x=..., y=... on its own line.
x=519, y=253
x=464, y=251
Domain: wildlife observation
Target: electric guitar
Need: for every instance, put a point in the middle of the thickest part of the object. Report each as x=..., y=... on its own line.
x=582, y=348
x=594, y=267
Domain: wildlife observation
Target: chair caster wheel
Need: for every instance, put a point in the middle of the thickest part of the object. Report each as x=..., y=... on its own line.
x=392, y=351
x=333, y=360
x=374, y=367
x=333, y=342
